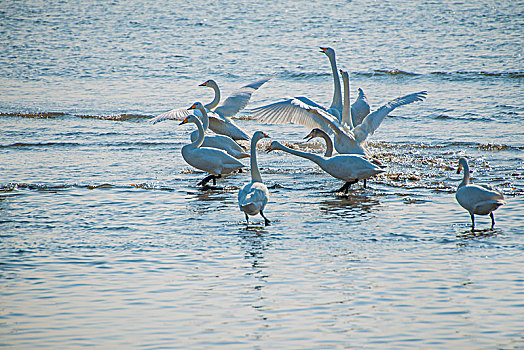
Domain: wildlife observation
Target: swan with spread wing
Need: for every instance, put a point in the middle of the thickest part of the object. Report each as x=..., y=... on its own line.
x=220, y=119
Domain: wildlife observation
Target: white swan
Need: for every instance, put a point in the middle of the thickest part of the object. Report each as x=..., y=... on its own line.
x=477, y=199
x=216, y=141
x=252, y=198
x=285, y=111
x=346, y=167
x=346, y=140
x=213, y=161
x=219, y=121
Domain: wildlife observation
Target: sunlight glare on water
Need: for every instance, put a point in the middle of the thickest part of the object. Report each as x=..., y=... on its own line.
x=107, y=241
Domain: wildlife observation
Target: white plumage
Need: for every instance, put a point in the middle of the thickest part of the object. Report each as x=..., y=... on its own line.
x=348, y=168
x=213, y=161
x=253, y=197
x=477, y=199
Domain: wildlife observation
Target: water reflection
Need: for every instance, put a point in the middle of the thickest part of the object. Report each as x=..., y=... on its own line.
x=351, y=205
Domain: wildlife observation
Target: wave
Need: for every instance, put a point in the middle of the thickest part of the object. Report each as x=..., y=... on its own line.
x=11, y=187
x=139, y=144
x=53, y=115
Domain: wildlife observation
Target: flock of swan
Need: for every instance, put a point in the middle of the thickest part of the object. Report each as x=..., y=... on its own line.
x=349, y=124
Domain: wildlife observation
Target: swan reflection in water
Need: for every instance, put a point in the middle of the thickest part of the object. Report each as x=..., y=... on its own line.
x=353, y=205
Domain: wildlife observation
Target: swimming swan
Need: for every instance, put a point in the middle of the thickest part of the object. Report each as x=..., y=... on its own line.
x=477, y=199
x=348, y=168
x=213, y=161
x=283, y=112
x=252, y=198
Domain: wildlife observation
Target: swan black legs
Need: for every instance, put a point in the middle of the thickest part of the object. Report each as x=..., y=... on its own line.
x=346, y=186
x=266, y=221
x=204, y=182
x=247, y=218
x=472, y=222
x=492, y=220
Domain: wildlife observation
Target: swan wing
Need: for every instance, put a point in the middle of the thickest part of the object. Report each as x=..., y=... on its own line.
x=373, y=120
x=239, y=99
x=176, y=114
x=360, y=108
x=296, y=110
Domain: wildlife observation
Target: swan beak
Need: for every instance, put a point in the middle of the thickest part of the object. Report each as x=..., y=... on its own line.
x=184, y=121
x=309, y=136
x=193, y=106
x=203, y=84
x=269, y=149
x=265, y=135
x=323, y=49
x=458, y=170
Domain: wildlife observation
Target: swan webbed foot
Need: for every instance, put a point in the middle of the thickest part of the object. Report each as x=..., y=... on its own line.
x=346, y=187
x=266, y=220
x=204, y=182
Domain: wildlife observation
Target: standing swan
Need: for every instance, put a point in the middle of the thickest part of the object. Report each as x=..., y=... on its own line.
x=217, y=141
x=348, y=168
x=477, y=199
x=213, y=161
x=252, y=198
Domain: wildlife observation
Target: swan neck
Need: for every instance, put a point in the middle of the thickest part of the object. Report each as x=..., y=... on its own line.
x=255, y=172
x=337, y=94
x=465, y=179
x=310, y=156
x=346, y=111
x=216, y=99
x=205, y=118
x=198, y=142
x=329, y=145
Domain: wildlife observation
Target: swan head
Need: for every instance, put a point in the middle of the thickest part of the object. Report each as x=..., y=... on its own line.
x=361, y=93
x=463, y=163
x=259, y=135
x=274, y=146
x=344, y=74
x=209, y=83
x=316, y=132
x=328, y=51
x=197, y=105
x=190, y=119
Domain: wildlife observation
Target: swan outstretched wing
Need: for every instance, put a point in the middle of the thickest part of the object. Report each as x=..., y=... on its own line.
x=373, y=120
x=175, y=114
x=296, y=110
x=239, y=99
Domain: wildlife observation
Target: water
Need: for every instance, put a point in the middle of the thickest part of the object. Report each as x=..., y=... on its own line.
x=106, y=241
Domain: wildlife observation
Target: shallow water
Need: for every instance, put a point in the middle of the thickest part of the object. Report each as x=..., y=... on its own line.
x=106, y=241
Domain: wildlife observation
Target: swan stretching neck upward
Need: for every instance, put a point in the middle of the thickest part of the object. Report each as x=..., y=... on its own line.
x=217, y=141
x=253, y=197
x=220, y=121
x=348, y=168
x=477, y=199
x=336, y=104
x=213, y=161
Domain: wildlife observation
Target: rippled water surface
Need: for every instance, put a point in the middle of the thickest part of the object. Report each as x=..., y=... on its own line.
x=106, y=241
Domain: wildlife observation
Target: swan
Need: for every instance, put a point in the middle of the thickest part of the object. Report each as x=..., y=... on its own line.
x=252, y=198
x=284, y=111
x=329, y=146
x=346, y=140
x=477, y=199
x=346, y=167
x=213, y=161
x=217, y=141
x=219, y=121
